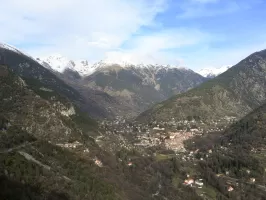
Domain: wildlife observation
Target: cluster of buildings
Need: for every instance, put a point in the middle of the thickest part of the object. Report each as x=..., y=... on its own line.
x=194, y=183
x=175, y=141
x=98, y=162
x=73, y=145
x=170, y=135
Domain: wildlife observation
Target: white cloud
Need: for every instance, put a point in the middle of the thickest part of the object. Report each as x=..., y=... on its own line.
x=112, y=30
x=159, y=47
x=83, y=25
x=215, y=58
x=93, y=30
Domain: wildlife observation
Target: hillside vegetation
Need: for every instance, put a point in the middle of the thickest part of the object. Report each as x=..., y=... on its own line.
x=48, y=151
x=238, y=155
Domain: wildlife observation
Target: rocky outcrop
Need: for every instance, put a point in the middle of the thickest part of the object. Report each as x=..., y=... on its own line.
x=46, y=118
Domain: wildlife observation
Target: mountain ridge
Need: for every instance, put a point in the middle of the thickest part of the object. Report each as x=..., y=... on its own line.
x=60, y=63
x=134, y=87
x=234, y=93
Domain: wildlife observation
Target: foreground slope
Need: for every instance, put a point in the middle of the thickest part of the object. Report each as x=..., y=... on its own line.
x=232, y=94
x=32, y=124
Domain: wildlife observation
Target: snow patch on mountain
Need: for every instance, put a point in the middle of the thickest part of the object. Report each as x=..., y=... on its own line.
x=14, y=49
x=9, y=47
x=213, y=72
x=57, y=62
x=60, y=63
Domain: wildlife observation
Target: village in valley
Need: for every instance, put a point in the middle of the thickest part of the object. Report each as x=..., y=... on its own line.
x=151, y=138
x=170, y=135
x=162, y=140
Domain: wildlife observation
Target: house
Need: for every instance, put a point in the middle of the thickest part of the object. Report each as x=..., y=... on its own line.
x=252, y=180
x=158, y=129
x=189, y=182
x=199, y=183
x=86, y=150
x=230, y=189
x=172, y=137
x=98, y=162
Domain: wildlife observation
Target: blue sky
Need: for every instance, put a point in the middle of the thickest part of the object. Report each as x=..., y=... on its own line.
x=191, y=33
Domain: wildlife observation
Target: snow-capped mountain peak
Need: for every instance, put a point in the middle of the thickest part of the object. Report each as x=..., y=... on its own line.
x=213, y=72
x=60, y=63
x=57, y=62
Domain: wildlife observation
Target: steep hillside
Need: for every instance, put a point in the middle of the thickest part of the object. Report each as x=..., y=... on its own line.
x=115, y=106
x=232, y=94
x=32, y=71
x=142, y=87
x=236, y=157
x=32, y=122
x=38, y=109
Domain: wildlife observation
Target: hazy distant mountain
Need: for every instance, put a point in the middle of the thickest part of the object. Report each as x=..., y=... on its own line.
x=213, y=72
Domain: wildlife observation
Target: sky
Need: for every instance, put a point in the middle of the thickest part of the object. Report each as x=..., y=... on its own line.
x=190, y=33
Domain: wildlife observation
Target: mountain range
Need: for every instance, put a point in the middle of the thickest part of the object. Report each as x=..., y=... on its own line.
x=134, y=87
x=60, y=63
